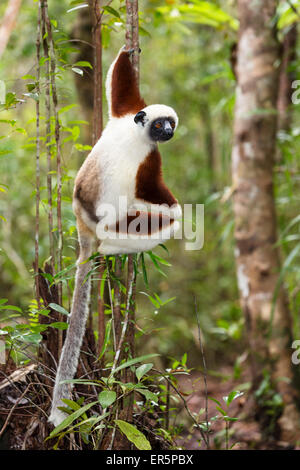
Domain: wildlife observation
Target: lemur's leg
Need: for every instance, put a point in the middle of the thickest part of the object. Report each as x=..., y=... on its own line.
x=141, y=232
x=70, y=353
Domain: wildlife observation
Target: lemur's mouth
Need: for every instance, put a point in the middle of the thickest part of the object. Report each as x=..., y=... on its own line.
x=165, y=137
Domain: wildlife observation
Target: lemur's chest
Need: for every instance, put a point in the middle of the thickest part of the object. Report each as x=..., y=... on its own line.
x=119, y=173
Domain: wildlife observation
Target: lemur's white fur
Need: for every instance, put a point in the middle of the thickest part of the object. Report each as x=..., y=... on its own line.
x=118, y=172
x=123, y=146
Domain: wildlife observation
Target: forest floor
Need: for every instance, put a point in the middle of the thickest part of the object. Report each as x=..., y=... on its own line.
x=244, y=434
x=23, y=430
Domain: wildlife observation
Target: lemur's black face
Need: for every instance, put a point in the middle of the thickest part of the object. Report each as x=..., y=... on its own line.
x=160, y=129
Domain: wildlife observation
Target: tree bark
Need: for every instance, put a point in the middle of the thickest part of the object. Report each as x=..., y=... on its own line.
x=257, y=258
x=82, y=36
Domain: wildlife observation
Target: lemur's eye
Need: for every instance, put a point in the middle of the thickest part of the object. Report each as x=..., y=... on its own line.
x=158, y=125
x=173, y=124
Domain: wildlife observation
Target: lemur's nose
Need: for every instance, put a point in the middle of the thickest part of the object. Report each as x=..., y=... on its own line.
x=168, y=128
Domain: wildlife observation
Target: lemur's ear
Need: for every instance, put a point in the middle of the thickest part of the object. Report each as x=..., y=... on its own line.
x=139, y=117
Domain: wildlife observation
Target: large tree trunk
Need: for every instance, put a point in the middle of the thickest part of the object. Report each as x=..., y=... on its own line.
x=258, y=260
x=8, y=23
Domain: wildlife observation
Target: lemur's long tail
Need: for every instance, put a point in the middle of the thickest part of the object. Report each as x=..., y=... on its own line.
x=70, y=353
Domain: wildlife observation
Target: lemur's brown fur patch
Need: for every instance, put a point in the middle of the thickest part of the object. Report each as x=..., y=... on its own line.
x=125, y=97
x=150, y=185
x=87, y=186
x=146, y=223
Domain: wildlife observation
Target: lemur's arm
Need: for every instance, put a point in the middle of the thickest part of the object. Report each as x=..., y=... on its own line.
x=152, y=190
x=152, y=218
x=122, y=89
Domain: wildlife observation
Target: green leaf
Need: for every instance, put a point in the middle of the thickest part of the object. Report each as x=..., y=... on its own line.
x=148, y=395
x=133, y=435
x=83, y=63
x=83, y=148
x=59, y=308
x=28, y=77
x=83, y=5
x=67, y=108
x=34, y=96
x=131, y=362
x=215, y=400
x=151, y=255
x=232, y=396
x=106, y=338
x=69, y=419
x=112, y=11
x=144, y=270
x=107, y=398
x=10, y=307
x=59, y=325
x=142, y=370
x=72, y=404
x=221, y=410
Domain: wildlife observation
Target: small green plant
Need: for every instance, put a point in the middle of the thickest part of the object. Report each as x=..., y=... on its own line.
x=224, y=416
x=269, y=401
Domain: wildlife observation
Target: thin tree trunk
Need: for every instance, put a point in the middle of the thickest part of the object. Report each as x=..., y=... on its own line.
x=58, y=155
x=132, y=42
x=96, y=18
x=8, y=23
x=257, y=258
x=48, y=140
x=37, y=164
x=82, y=36
x=284, y=102
x=97, y=67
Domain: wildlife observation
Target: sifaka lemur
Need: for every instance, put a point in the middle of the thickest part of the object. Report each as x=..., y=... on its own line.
x=124, y=165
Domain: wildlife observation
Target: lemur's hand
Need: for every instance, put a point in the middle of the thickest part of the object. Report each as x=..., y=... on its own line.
x=132, y=51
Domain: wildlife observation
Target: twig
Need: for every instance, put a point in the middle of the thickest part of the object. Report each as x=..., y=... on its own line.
x=131, y=283
x=113, y=434
x=86, y=374
x=117, y=298
x=111, y=304
x=205, y=371
x=37, y=169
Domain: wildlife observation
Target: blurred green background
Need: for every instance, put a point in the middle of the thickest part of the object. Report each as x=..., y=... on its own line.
x=185, y=63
